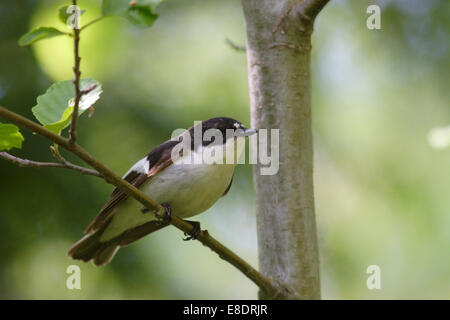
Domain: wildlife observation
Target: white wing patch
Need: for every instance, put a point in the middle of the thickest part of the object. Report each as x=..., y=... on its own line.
x=142, y=166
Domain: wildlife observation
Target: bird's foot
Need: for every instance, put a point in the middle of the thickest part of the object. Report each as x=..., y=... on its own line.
x=167, y=217
x=195, y=231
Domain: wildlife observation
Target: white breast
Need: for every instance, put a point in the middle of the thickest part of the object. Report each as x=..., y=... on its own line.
x=189, y=189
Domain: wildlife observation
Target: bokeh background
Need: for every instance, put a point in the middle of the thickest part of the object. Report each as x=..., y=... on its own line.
x=382, y=182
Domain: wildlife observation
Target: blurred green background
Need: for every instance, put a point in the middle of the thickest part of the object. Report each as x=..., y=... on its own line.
x=382, y=187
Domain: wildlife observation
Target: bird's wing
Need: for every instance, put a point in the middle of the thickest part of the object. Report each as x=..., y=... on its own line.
x=138, y=232
x=157, y=160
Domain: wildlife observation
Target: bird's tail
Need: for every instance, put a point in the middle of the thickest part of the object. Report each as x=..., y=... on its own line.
x=101, y=253
x=90, y=248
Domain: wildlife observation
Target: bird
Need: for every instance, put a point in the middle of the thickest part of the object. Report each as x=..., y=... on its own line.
x=171, y=175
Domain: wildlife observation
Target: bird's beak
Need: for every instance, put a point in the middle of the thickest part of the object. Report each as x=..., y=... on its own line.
x=245, y=132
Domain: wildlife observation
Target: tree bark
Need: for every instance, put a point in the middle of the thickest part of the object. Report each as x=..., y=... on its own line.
x=278, y=55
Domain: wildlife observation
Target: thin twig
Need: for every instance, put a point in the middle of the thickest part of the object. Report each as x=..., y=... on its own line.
x=70, y=165
x=91, y=87
x=235, y=46
x=266, y=285
x=311, y=8
x=76, y=81
x=37, y=164
x=92, y=22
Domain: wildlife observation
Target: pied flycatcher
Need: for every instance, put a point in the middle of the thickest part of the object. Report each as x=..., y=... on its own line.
x=170, y=177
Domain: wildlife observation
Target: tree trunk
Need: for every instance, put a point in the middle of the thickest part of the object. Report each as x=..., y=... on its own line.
x=278, y=54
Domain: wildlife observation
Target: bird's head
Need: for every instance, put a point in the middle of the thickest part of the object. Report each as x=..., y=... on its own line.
x=226, y=126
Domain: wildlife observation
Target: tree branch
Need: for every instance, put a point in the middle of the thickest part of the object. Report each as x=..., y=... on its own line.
x=76, y=79
x=280, y=97
x=235, y=46
x=271, y=290
x=92, y=22
x=311, y=8
x=36, y=164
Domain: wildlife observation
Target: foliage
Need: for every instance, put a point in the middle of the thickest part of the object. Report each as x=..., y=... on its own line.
x=39, y=34
x=54, y=108
x=140, y=12
x=64, y=14
x=10, y=137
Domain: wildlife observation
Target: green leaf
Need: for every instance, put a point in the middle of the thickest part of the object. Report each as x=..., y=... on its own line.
x=141, y=16
x=58, y=126
x=39, y=34
x=140, y=12
x=151, y=3
x=64, y=16
x=116, y=7
x=10, y=137
x=54, y=108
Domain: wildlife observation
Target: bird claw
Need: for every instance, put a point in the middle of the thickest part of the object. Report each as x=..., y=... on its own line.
x=167, y=217
x=195, y=231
